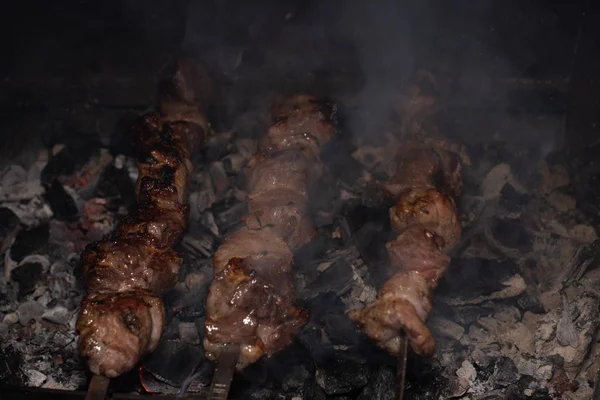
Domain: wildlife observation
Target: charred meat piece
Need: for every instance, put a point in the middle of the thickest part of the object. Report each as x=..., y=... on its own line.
x=429, y=209
x=116, y=330
x=258, y=313
x=428, y=176
x=122, y=317
x=300, y=122
x=404, y=303
x=251, y=300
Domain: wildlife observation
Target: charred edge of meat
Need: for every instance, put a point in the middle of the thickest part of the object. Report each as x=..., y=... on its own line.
x=327, y=110
x=158, y=227
x=259, y=300
x=148, y=132
x=116, y=330
x=129, y=263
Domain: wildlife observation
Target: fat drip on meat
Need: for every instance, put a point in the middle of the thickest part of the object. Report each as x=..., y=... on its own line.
x=122, y=319
x=426, y=181
x=251, y=300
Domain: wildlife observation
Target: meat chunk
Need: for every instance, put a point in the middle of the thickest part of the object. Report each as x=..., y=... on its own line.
x=116, y=330
x=122, y=317
x=251, y=300
x=404, y=303
x=428, y=174
x=300, y=122
x=159, y=228
x=252, y=305
x=281, y=170
x=129, y=264
x=256, y=246
x=415, y=167
x=429, y=209
x=285, y=212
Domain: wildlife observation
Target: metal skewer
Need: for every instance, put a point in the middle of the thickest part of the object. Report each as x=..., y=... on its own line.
x=221, y=382
x=98, y=388
x=401, y=372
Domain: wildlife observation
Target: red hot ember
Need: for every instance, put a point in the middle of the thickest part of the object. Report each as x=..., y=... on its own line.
x=123, y=316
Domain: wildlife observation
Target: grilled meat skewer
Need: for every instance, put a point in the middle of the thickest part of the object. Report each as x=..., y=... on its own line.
x=122, y=318
x=426, y=181
x=251, y=300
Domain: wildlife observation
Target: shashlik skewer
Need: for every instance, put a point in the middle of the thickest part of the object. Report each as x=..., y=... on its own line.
x=122, y=318
x=251, y=300
x=426, y=181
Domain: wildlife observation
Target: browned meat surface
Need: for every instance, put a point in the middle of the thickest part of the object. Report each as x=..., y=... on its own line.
x=251, y=300
x=279, y=170
x=417, y=249
x=256, y=245
x=428, y=176
x=300, y=122
x=286, y=212
x=404, y=303
x=258, y=313
x=122, y=318
x=115, y=330
x=126, y=264
x=415, y=167
x=429, y=209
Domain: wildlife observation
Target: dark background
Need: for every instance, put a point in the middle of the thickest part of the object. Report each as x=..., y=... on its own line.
x=80, y=65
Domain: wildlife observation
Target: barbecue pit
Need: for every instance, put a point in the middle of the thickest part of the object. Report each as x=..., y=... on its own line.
x=516, y=313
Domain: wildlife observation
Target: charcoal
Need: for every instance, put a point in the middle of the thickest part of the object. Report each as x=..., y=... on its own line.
x=200, y=242
x=511, y=199
x=312, y=338
x=528, y=302
x=505, y=372
x=10, y=222
x=188, y=333
x=228, y=215
x=511, y=233
x=11, y=319
x=316, y=249
x=493, y=395
x=61, y=203
x=27, y=276
x=296, y=379
x=115, y=183
x=337, y=278
x=476, y=277
x=341, y=329
x=467, y=315
x=35, y=378
x=381, y=385
x=313, y=391
x=153, y=384
x=31, y=310
x=59, y=315
x=10, y=367
x=29, y=241
x=219, y=177
x=71, y=158
x=261, y=394
x=339, y=375
x=233, y=163
x=173, y=361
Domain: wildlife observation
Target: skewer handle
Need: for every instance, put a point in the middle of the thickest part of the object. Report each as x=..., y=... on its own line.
x=221, y=383
x=402, y=360
x=98, y=388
